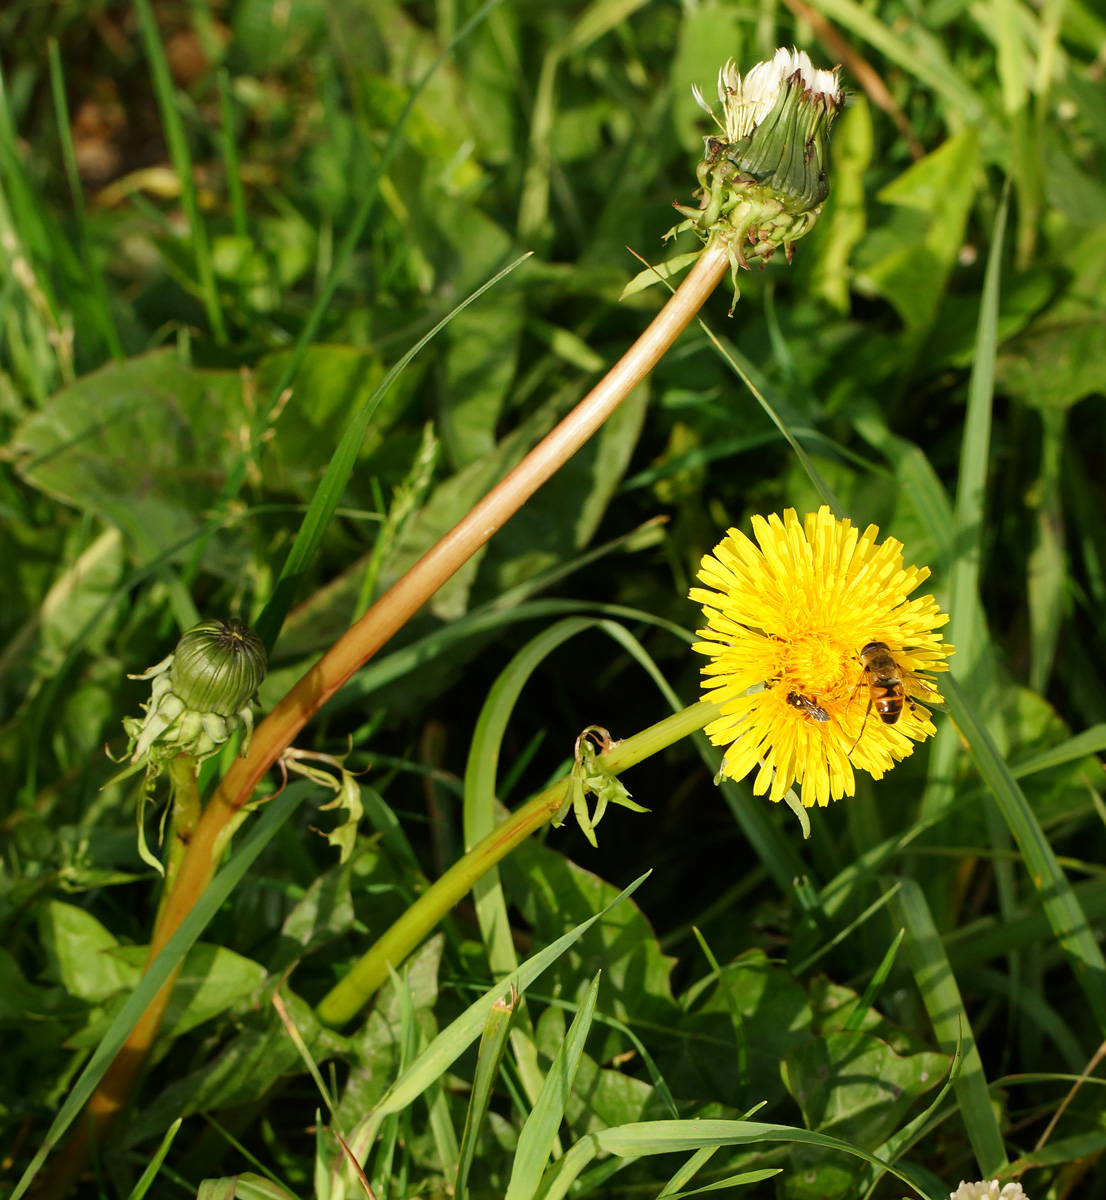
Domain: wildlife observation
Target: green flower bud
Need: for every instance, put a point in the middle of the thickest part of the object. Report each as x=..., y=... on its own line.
x=217, y=666
x=200, y=696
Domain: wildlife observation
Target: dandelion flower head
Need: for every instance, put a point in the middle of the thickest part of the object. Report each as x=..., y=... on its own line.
x=787, y=618
x=988, y=1189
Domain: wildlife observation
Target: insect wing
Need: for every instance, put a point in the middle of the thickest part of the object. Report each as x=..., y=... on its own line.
x=921, y=689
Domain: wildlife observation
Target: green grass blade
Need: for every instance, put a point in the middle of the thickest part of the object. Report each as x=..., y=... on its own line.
x=69, y=157
x=480, y=780
x=965, y=611
x=148, y=1176
x=1090, y=741
x=974, y=455
x=1065, y=915
x=864, y=1004
x=687, y=1171
x=666, y=1137
x=535, y=1141
x=328, y=495
x=275, y=813
x=739, y=1180
x=947, y=1011
x=841, y=935
x=493, y=1045
x=455, y=1039
x=566, y=1170
x=181, y=157
x=230, y=155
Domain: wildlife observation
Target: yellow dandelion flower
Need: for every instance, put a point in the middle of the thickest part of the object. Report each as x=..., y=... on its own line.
x=790, y=623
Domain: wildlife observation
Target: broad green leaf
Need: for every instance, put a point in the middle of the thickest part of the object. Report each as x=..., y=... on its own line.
x=947, y=1011
x=278, y=810
x=83, y=446
x=324, y=913
x=211, y=979
x=82, y=953
x=854, y=1086
x=243, y=1070
x=909, y=260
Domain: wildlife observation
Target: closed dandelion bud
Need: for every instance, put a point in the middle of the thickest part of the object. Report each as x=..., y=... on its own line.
x=200, y=696
x=217, y=666
x=762, y=184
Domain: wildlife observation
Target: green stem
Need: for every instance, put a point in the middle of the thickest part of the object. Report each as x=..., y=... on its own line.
x=346, y=998
x=185, y=799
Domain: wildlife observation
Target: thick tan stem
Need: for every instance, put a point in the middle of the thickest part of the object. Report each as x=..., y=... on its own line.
x=359, y=643
x=405, y=597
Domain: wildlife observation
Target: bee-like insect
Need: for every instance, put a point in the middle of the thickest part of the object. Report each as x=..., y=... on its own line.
x=890, y=686
x=815, y=711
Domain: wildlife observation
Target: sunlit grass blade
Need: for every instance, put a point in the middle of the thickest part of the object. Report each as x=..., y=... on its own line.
x=965, y=611
x=535, y=1141
x=1090, y=741
x=666, y=1137
x=181, y=156
x=328, y=495
x=742, y=1179
x=493, y=1045
x=276, y=811
x=974, y=456
x=687, y=1171
x=1066, y=917
x=948, y=1013
x=444, y=1050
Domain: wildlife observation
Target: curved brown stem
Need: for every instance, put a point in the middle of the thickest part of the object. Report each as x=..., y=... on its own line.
x=354, y=648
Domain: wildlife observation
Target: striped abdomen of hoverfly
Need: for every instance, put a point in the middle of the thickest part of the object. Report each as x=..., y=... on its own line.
x=885, y=681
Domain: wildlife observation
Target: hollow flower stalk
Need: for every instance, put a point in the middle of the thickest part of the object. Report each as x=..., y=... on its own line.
x=788, y=617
